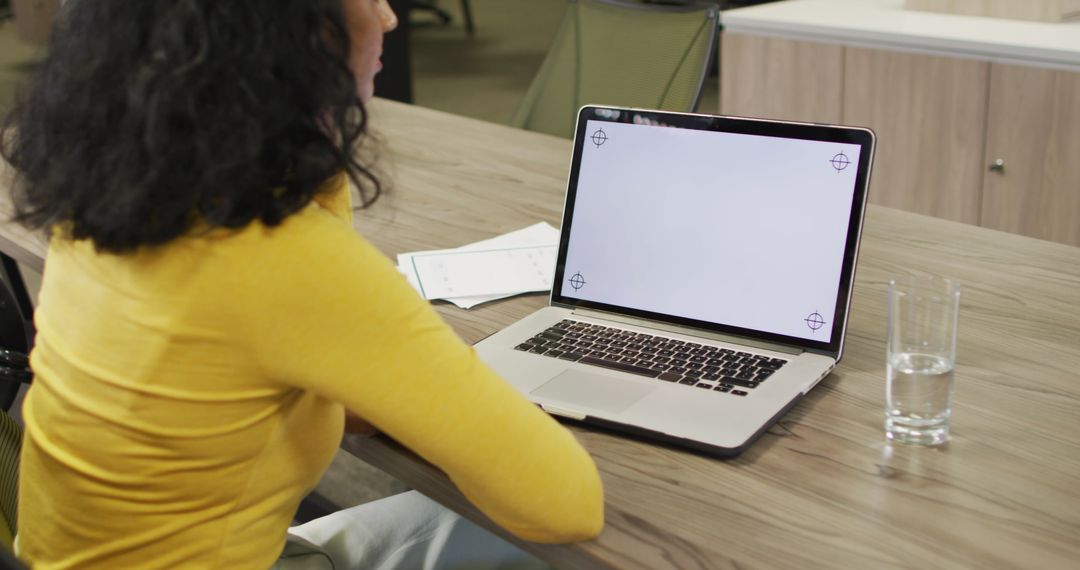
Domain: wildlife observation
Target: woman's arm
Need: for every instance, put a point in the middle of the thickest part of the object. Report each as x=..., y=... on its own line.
x=333, y=316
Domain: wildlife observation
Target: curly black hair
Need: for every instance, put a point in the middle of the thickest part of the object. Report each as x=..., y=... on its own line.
x=148, y=117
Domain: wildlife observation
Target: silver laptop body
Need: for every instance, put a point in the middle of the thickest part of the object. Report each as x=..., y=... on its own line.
x=703, y=279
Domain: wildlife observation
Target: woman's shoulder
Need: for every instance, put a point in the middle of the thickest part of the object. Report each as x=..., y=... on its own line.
x=224, y=263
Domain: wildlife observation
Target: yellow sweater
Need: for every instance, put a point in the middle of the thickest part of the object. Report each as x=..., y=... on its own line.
x=187, y=397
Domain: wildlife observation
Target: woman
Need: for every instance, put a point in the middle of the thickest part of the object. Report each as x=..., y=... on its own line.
x=208, y=316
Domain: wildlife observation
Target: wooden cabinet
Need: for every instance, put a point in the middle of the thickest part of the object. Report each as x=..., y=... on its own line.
x=802, y=80
x=943, y=124
x=929, y=114
x=1034, y=135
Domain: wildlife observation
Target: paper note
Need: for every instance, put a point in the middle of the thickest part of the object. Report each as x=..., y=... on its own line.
x=446, y=274
x=518, y=262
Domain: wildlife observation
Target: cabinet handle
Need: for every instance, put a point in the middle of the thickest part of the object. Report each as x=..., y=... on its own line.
x=998, y=166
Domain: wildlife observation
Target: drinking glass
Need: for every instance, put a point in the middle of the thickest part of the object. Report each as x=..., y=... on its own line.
x=920, y=355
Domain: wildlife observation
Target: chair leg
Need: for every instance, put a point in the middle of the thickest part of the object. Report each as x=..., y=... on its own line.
x=443, y=16
x=466, y=10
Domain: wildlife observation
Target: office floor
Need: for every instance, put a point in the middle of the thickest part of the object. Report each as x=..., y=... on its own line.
x=482, y=76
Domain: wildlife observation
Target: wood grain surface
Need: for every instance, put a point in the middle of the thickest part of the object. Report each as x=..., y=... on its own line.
x=822, y=489
x=929, y=113
x=778, y=78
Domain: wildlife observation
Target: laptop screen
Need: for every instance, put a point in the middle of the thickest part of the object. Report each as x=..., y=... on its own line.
x=736, y=225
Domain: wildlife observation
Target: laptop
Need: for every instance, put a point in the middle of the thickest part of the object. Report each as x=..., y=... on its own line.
x=703, y=279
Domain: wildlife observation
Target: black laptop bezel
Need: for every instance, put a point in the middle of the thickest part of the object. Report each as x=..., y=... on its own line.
x=739, y=125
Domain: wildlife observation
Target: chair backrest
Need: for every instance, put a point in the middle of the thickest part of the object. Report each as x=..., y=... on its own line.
x=624, y=53
x=15, y=331
x=15, y=339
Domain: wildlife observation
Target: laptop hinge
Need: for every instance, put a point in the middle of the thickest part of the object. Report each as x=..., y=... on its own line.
x=593, y=313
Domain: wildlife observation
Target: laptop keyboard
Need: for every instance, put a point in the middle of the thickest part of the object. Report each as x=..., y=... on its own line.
x=667, y=359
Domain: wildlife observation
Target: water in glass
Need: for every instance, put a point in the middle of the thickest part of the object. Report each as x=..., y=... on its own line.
x=919, y=398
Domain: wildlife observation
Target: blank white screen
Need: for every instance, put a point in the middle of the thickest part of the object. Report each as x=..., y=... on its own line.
x=741, y=230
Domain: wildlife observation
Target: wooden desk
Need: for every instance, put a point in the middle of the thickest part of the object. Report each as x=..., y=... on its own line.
x=822, y=488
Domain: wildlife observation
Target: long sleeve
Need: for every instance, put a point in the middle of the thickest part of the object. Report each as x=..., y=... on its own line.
x=345, y=325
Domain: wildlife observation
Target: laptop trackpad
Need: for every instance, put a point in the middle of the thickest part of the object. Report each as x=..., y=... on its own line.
x=578, y=390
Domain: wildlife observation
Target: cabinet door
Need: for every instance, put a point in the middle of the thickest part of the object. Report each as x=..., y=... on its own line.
x=929, y=114
x=777, y=78
x=1034, y=130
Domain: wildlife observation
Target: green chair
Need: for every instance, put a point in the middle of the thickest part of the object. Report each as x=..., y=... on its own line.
x=16, y=337
x=624, y=53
